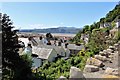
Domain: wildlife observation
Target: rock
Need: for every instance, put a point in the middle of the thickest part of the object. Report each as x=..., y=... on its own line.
x=111, y=47
x=102, y=53
x=62, y=78
x=76, y=73
x=93, y=76
x=111, y=71
x=99, y=57
x=95, y=62
x=118, y=42
x=106, y=53
x=116, y=45
x=115, y=52
x=111, y=56
x=91, y=68
x=109, y=50
x=106, y=36
x=110, y=77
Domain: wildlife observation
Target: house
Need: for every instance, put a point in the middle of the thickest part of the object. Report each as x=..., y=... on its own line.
x=32, y=41
x=39, y=42
x=85, y=38
x=37, y=62
x=101, y=25
x=59, y=49
x=117, y=22
x=67, y=52
x=24, y=40
x=74, y=49
x=45, y=53
x=106, y=24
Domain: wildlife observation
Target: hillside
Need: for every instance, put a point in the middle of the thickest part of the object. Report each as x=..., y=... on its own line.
x=71, y=30
x=110, y=18
x=99, y=39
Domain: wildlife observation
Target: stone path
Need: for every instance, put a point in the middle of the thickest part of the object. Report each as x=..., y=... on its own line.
x=113, y=62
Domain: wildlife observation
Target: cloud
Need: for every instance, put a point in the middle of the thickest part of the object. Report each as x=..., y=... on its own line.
x=29, y=26
x=37, y=26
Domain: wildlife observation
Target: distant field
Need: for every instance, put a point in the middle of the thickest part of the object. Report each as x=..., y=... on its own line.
x=54, y=34
x=61, y=34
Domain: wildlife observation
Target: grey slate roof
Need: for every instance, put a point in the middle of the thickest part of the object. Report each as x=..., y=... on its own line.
x=74, y=47
x=42, y=53
x=58, y=49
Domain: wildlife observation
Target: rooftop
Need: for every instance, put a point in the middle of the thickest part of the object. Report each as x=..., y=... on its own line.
x=42, y=53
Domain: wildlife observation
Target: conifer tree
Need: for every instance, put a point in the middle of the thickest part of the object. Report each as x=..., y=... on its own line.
x=13, y=66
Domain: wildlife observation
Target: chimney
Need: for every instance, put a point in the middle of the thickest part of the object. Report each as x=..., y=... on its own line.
x=49, y=43
x=66, y=45
x=59, y=43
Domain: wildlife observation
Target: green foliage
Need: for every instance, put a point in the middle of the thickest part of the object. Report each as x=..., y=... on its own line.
x=62, y=67
x=117, y=35
x=113, y=24
x=86, y=28
x=28, y=59
x=113, y=14
x=98, y=40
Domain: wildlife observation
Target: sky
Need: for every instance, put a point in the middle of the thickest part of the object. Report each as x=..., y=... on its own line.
x=39, y=15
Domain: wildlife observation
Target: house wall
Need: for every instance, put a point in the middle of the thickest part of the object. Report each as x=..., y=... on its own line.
x=25, y=40
x=37, y=62
x=118, y=24
x=52, y=56
x=101, y=25
x=62, y=52
x=74, y=51
x=67, y=53
x=107, y=24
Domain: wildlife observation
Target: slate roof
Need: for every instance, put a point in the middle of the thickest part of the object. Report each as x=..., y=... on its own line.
x=74, y=47
x=42, y=53
x=58, y=49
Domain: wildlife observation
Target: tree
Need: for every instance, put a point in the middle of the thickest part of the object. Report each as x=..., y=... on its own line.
x=102, y=20
x=49, y=36
x=14, y=67
x=86, y=28
x=113, y=24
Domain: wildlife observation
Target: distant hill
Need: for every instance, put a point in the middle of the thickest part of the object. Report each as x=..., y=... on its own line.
x=71, y=30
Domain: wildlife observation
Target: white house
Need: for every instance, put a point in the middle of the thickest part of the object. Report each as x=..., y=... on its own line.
x=117, y=23
x=85, y=38
x=25, y=40
x=59, y=49
x=106, y=24
x=45, y=53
